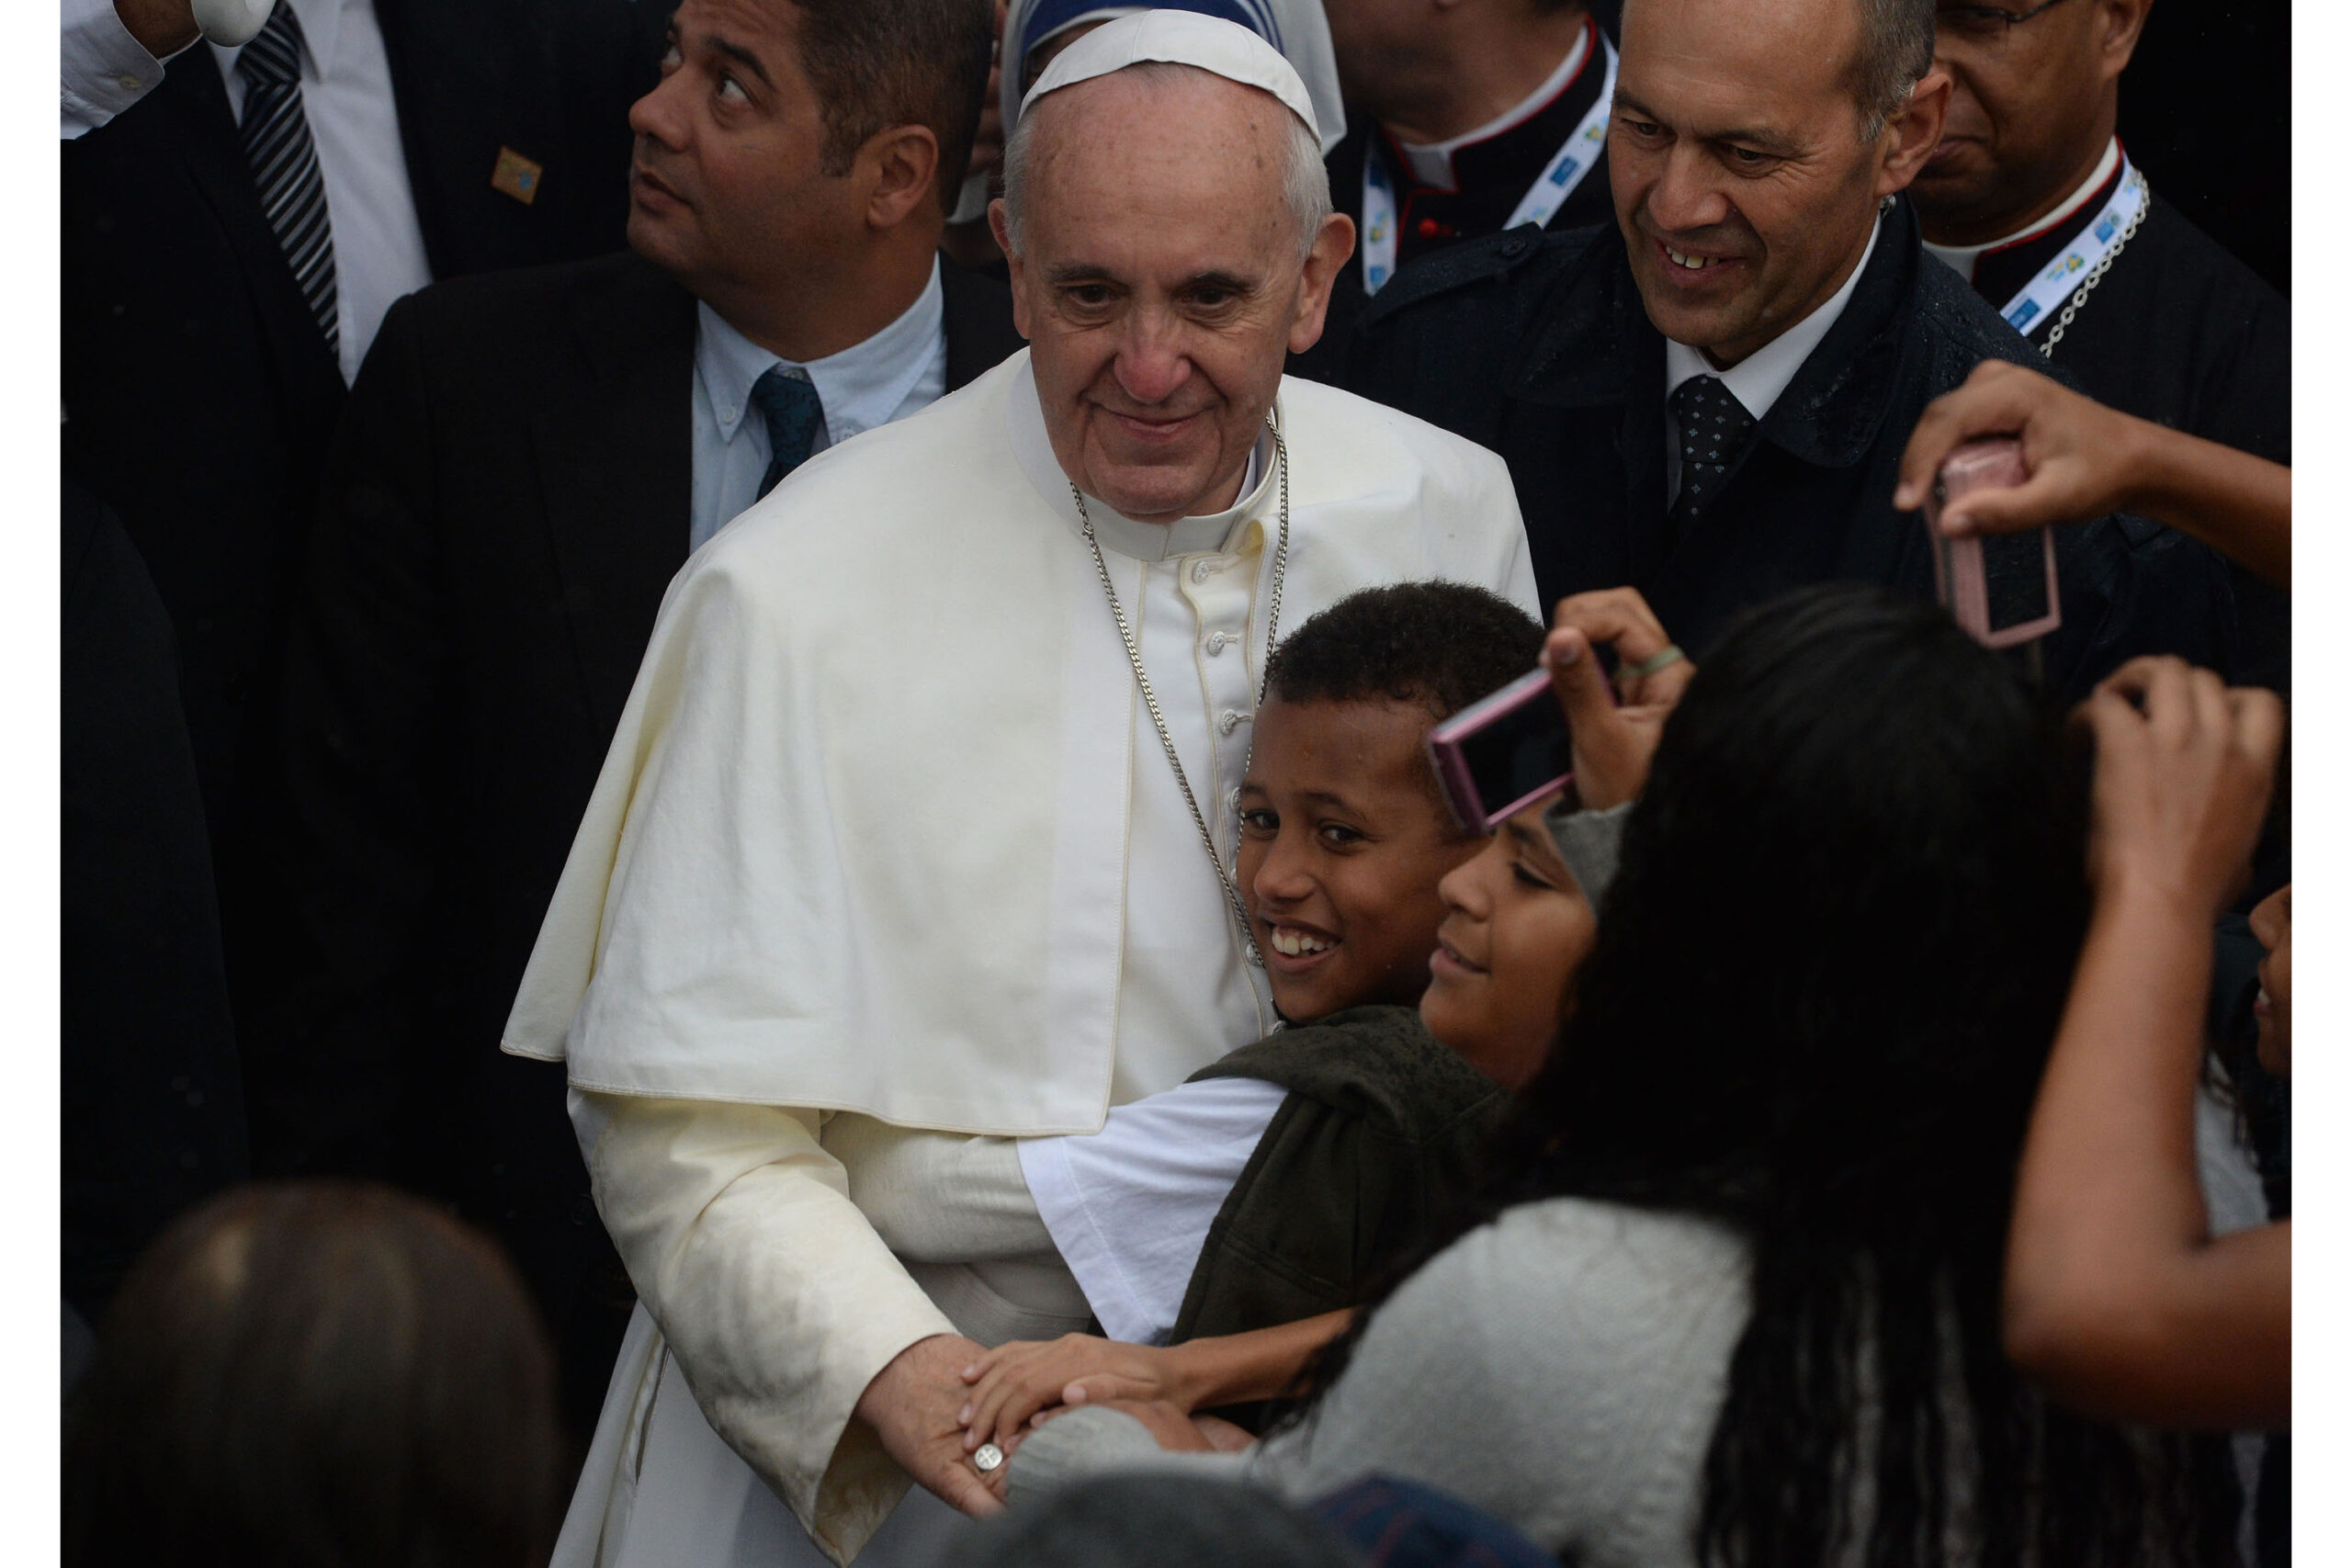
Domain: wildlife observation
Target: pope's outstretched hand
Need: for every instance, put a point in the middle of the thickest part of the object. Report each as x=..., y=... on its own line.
x=914, y=1405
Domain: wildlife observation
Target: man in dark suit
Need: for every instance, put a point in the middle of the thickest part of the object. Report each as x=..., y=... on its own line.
x=1465, y=120
x=1707, y=401
x=2030, y=198
x=526, y=461
x=229, y=243
x=151, y=1114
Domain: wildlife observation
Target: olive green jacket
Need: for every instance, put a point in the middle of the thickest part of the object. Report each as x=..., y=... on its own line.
x=1372, y=1149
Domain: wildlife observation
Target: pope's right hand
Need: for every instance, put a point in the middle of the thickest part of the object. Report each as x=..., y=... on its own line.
x=912, y=1405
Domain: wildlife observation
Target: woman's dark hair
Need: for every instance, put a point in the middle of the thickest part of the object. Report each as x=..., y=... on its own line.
x=1825, y=980
x=315, y=1375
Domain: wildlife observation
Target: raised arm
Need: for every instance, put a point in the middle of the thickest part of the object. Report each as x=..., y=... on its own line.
x=2083, y=459
x=2117, y=1298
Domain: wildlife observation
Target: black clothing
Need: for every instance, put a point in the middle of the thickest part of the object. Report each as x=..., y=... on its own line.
x=200, y=391
x=1370, y=1151
x=152, y=1114
x=2182, y=333
x=505, y=504
x=1539, y=348
x=1492, y=177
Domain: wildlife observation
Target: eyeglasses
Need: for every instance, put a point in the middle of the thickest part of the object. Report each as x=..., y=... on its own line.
x=1987, y=24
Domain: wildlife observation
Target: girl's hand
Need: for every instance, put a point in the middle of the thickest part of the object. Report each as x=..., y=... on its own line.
x=2183, y=781
x=1613, y=728
x=1017, y=1380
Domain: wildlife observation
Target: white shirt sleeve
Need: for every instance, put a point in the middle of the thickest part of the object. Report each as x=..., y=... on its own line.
x=1130, y=1206
x=103, y=69
x=772, y=1291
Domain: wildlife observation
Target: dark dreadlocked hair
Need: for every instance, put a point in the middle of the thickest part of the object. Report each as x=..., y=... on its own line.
x=1827, y=979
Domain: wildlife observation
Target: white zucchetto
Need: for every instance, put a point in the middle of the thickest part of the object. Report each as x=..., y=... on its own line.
x=1178, y=37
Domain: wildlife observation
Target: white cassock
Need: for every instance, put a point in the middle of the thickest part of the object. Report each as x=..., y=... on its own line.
x=886, y=852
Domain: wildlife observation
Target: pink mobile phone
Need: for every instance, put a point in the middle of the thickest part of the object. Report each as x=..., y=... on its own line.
x=2003, y=590
x=1502, y=752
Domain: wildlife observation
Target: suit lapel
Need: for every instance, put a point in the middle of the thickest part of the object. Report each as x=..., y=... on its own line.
x=216, y=162
x=616, y=462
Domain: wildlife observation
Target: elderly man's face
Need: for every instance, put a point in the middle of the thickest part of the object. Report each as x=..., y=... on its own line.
x=2031, y=105
x=1742, y=187
x=1160, y=284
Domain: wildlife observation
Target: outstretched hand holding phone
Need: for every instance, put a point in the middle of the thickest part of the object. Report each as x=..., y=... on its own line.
x=2083, y=459
x=1613, y=722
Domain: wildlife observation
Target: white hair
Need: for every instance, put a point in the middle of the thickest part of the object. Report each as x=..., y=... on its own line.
x=1305, y=189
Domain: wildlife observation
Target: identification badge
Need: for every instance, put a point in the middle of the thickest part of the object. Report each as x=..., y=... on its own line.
x=517, y=175
x=2050, y=288
x=1576, y=159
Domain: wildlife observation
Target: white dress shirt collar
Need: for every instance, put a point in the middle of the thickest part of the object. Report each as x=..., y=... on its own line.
x=322, y=26
x=1962, y=259
x=1218, y=532
x=1758, y=380
x=861, y=387
x=1433, y=165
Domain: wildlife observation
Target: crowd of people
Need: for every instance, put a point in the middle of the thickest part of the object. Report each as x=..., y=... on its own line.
x=758, y=857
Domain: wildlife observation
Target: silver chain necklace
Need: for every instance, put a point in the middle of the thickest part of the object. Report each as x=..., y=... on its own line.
x=1143, y=683
x=2082, y=295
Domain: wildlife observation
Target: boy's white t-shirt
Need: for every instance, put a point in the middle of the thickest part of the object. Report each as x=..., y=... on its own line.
x=1130, y=1207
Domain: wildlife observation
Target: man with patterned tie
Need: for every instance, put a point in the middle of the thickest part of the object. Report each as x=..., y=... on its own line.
x=1708, y=400
x=2030, y=197
x=526, y=461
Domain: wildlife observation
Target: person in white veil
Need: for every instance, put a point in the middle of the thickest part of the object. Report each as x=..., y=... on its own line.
x=1035, y=30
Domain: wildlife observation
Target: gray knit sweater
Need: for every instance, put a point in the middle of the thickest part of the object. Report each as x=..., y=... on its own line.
x=1561, y=1368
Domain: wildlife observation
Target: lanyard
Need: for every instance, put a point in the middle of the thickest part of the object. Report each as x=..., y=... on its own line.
x=1561, y=176
x=2085, y=256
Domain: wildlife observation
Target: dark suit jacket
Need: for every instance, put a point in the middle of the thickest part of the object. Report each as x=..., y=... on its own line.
x=199, y=393
x=503, y=508
x=1539, y=348
x=152, y=1114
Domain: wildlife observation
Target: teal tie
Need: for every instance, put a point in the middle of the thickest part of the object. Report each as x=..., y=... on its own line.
x=788, y=402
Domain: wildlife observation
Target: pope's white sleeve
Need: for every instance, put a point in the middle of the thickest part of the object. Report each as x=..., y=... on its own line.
x=772, y=1291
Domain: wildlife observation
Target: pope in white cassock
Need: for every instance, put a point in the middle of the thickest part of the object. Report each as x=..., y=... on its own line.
x=906, y=835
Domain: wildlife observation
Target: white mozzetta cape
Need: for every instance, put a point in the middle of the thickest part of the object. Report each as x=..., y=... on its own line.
x=861, y=842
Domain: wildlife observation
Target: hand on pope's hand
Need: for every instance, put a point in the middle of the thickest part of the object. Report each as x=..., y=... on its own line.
x=1016, y=1381
x=2182, y=782
x=2080, y=457
x=1612, y=744
x=912, y=1406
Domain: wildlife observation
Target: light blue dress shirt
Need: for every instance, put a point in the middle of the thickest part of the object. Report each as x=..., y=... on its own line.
x=897, y=372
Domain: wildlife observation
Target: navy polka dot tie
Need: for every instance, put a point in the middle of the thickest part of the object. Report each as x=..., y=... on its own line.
x=1714, y=430
x=792, y=409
